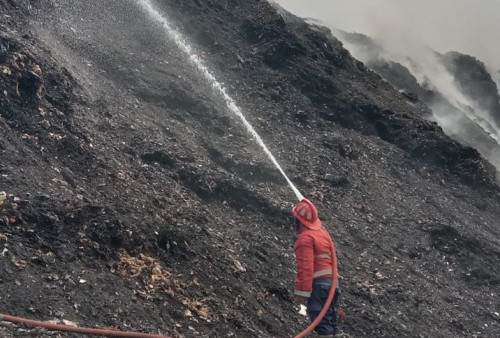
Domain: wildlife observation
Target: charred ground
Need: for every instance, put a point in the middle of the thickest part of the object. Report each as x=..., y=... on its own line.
x=137, y=201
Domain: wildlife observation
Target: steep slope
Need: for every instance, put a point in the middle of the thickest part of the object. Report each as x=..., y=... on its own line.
x=496, y=77
x=474, y=80
x=138, y=201
x=458, y=88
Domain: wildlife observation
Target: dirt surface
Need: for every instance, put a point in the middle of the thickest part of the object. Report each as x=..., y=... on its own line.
x=136, y=200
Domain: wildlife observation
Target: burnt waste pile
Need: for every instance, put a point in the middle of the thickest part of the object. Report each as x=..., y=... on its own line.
x=132, y=198
x=459, y=89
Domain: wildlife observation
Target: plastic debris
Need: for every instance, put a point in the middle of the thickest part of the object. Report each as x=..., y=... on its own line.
x=69, y=323
x=239, y=266
x=19, y=262
x=6, y=70
x=302, y=310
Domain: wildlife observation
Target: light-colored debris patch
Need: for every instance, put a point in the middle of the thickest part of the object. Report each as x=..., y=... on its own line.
x=20, y=263
x=156, y=279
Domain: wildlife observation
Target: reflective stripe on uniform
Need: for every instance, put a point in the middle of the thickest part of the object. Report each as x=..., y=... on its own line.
x=323, y=273
x=302, y=293
x=324, y=256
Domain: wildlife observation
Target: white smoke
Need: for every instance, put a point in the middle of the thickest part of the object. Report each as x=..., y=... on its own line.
x=470, y=27
x=424, y=64
x=409, y=33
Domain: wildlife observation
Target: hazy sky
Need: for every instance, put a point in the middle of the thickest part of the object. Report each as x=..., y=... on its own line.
x=468, y=26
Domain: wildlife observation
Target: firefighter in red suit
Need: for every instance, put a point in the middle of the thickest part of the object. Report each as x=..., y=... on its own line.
x=314, y=268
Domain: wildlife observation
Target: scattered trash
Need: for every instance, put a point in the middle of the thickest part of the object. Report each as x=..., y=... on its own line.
x=3, y=197
x=160, y=279
x=20, y=263
x=239, y=266
x=199, y=308
x=29, y=137
x=303, y=310
x=155, y=279
x=6, y=70
x=37, y=70
x=69, y=323
x=237, y=263
x=55, y=136
x=7, y=324
x=53, y=277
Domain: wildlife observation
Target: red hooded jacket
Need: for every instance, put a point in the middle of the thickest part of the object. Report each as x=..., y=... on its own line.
x=314, y=259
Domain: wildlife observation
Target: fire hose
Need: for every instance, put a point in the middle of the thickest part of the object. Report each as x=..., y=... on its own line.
x=114, y=333
x=76, y=329
x=329, y=300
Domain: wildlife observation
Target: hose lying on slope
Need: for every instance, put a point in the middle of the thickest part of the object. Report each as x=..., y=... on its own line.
x=75, y=329
x=113, y=333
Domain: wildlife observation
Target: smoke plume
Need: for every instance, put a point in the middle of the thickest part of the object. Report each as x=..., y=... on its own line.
x=470, y=27
x=416, y=34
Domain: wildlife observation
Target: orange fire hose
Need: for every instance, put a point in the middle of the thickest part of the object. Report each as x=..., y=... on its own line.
x=318, y=319
x=114, y=333
x=74, y=329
